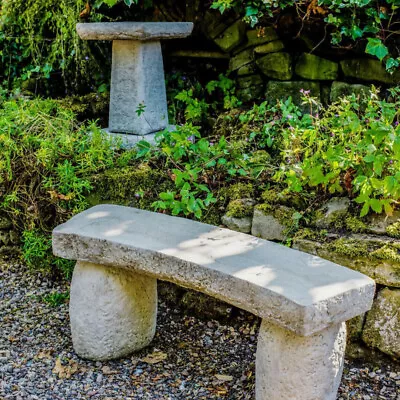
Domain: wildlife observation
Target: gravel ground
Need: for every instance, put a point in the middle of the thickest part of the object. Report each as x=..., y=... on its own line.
x=189, y=358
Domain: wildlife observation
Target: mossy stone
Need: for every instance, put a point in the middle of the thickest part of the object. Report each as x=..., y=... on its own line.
x=276, y=66
x=239, y=191
x=205, y=307
x=240, y=208
x=367, y=69
x=256, y=37
x=260, y=157
x=248, y=81
x=271, y=47
x=248, y=69
x=382, y=327
x=241, y=59
x=341, y=89
x=214, y=24
x=251, y=93
x=335, y=208
x=313, y=67
x=272, y=222
x=231, y=37
x=283, y=90
x=356, y=254
x=355, y=328
x=136, y=186
x=379, y=223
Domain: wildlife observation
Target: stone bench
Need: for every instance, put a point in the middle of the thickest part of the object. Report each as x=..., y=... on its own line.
x=303, y=300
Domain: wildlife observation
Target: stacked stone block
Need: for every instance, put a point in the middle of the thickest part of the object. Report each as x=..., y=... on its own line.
x=265, y=68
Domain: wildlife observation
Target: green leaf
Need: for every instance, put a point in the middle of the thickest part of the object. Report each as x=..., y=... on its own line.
x=110, y=3
x=130, y=2
x=167, y=196
x=376, y=205
x=364, y=210
x=376, y=48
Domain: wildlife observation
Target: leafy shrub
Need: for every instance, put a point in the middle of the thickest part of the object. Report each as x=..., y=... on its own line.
x=346, y=22
x=352, y=147
x=46, y=160
x=38, y=41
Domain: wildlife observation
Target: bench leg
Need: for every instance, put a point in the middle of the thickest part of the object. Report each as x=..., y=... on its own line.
x=293, y=367
x=112, y=311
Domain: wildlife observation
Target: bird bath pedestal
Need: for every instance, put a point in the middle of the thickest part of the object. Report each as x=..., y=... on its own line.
x=138, y=100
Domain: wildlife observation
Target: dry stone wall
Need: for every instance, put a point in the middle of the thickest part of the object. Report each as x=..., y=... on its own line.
x=374, y=251
x=264, y=66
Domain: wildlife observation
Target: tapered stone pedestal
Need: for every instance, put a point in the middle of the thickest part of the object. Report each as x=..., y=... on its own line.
x=138, y=100
x=113, y=311
x=294, y=367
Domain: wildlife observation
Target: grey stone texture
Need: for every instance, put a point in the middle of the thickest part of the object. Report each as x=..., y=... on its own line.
x=299, y=368
x=267, y=226
x=142, y=31
x=300, y=292
x=313, y=67
x=137, y=81
x=333, y=209
x=138, y=100
x=383, y=271
x=382, y=327
x=378, y=223
x=231, y=37
x=112, y=311
x=239, y=224
x=341, y=89
x=128, y=141
x=368, y=70
x=276, y=66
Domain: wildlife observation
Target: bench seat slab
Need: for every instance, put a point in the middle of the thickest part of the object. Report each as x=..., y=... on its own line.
x=112, y=311
x=293, y=367
x=294, y=290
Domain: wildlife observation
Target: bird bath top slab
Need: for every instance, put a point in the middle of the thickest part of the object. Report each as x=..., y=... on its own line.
x=144, y=31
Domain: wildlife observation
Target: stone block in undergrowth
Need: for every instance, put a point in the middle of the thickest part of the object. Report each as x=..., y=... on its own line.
x=271, y=47
x=379, y=259
x=341, y=89
x=283, y=90
x=366, y=69
x=276, y=66
x=382, y=327
x=239, y=215
x=271, y=222
x=250, y=93
x=205, y=307
x=335, y=208
x=248, y=81
x=231, y=37
x=313, y=67
x=241, y=59
x=248, y=69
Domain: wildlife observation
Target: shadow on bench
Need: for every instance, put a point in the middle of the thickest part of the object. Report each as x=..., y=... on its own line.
x=303, y=300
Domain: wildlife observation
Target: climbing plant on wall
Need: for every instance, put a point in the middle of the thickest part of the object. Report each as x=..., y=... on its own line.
x=347, y=22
